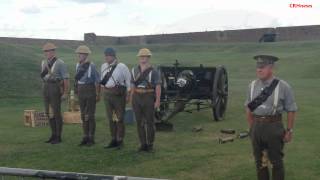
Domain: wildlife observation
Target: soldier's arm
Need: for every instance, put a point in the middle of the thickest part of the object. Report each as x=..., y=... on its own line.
x=290, y=105
x=65, y=75
x=158, y=82
x=291, y=117
x=98, y=90
x=249, y=117
x=65, y=86
x=97, y=82
x=127, y=81
x=127, y=76
x=158, y=94
x=131, y=93
x=132, y=85
x=249, y=114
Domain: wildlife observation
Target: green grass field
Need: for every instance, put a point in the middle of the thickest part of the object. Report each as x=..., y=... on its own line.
x=181, y=154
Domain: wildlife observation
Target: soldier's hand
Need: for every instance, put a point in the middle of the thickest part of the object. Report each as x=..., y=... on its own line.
x=157, y=104
x=98, y=98
x=64, y=96
x=128, y=99
x=287, y=137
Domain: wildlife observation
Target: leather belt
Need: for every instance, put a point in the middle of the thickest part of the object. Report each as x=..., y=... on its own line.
x=52, y=82
x=111, y=88
x=86, y=85
x=269, y=119
x=142, y=91
x=83, y=83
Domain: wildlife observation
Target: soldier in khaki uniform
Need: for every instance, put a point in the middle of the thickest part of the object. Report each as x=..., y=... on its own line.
x=268, y=98
x=87, y=87
x=115, y=82
x=55, y=89
x=146, y=93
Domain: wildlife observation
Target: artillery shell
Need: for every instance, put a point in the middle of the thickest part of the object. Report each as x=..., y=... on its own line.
x=225, y=140
x=242, y=135
x=228, y=131
x=197, y=129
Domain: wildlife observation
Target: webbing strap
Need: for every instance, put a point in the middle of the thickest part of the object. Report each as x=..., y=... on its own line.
x=276, y=99
x=252, y=89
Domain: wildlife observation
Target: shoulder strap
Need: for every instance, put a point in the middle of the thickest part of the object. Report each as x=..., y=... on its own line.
x=133, y=74
x=46, y=68
x=89, y=71
x=108, y=75
x=53, y=66
x=263, y=96
x=276, y=99
x=252, y=89
x=142, y=76
x=81, y=70
x=150, y=76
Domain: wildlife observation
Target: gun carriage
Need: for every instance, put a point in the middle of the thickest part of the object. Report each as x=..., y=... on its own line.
x=188, y=89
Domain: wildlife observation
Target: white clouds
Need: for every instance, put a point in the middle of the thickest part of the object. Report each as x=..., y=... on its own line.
x=137, y=16
x=174, y=4
x=239, y=19
x=95, y=1
x=221, y=20
x=50, y=19
x=69, y=19
x=31, y=10
x=34, y=4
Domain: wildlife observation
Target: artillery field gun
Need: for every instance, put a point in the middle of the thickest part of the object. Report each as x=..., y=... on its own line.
x=187, y=89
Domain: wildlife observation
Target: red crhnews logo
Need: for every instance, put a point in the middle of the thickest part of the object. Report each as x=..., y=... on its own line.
x=293, y=5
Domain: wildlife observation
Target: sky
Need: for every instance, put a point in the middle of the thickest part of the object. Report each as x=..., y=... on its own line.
x=70, y=19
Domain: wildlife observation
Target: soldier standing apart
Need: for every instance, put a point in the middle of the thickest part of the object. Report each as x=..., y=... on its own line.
x=116, y=82
x=268, y=97
x=145, y=98
x=55, y=89
x=87, y=88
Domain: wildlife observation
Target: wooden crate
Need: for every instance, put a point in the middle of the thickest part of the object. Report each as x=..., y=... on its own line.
x=72, y=117
x=33, y=118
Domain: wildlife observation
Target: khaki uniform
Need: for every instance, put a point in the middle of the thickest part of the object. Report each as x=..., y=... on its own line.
x=87, y=100
x=267, y=131
x=115, y=93
x=52, y=92
x=115, y=108
x=143, y=105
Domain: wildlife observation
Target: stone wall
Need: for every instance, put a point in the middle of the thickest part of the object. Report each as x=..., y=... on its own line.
x=298, y=33
x=39, y=42
x=294, y=33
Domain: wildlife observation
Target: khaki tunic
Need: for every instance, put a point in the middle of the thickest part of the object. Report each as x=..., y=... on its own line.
x=268, y=136
x=52, y=94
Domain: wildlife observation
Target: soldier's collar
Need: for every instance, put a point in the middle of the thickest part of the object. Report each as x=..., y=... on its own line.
x=267, y=82
x=85, y=61
x=147, y=66
x=52, y=59
x=115, y=61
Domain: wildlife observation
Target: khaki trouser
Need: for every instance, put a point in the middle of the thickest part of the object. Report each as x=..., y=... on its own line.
x=143, y=107
x=115, y=109
x=87, y=102
x=52, y=104
x=268, y=136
